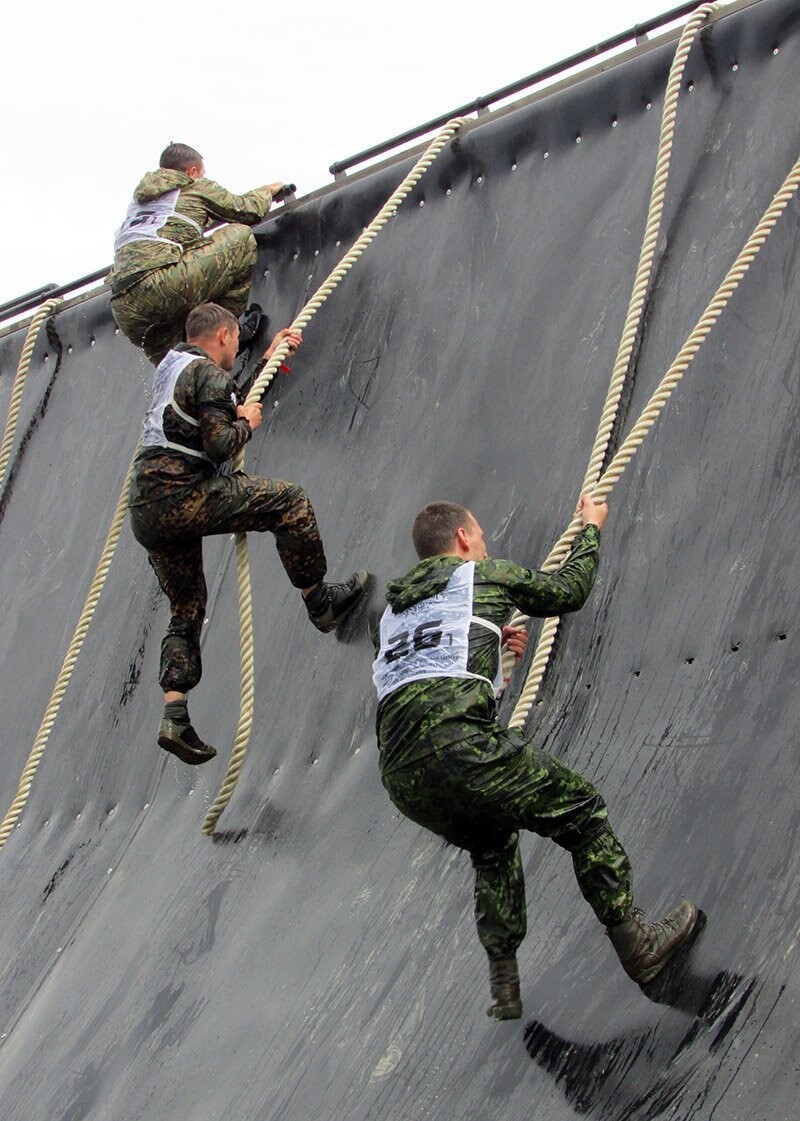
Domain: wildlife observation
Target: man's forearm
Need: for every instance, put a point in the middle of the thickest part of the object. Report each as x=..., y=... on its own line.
x=540, y=593
x=249, y=208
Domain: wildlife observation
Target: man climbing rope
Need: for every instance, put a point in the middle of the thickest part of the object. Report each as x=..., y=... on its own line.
x=450, y=766
x=164, y=266
x=194, y=424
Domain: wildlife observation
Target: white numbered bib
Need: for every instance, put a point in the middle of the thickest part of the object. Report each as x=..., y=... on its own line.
x=431, y=638
x=164, y=379
x=145, y=219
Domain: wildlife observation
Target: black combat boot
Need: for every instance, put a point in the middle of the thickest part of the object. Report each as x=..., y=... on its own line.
x=249, y=326
x=329, y=604
x=644, y=948
x=504, y=979
x=176, y=735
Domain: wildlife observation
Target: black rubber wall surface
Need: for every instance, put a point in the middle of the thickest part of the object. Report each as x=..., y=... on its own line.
x=324, y=965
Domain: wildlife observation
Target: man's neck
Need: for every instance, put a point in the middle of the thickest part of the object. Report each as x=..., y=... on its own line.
x=207, y=348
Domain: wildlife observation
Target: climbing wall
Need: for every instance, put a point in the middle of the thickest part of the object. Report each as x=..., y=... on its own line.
x=317, y=959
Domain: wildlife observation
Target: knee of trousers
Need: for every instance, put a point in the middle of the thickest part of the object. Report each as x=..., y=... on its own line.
x=300, y=517
x=240, y=242
x=500, y=853
x=297, y=527
x=585, y=820
x=152, y=324
x=130, y=323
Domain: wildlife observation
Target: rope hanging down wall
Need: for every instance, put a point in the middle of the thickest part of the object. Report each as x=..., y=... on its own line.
x=633, y=316
x=601, y=485
x=48, y=720
x=35, y=326
x=40, y=742
x=245, y=596
x=242, y=563
x=658, y=400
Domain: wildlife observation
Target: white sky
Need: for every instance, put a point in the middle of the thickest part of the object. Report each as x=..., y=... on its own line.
x=92, y=90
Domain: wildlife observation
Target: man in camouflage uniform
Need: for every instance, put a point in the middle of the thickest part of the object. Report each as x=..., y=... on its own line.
x=194, y=425
x=164, y=266
x=450, y=766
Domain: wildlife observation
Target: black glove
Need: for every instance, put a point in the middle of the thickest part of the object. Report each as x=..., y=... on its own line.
x=287, y=191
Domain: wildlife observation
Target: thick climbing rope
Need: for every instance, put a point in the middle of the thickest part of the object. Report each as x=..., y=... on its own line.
x=386, y=212
x=42, y=736
x=601, y=487
x=633, y=317
x=40, y=316
x=658, y=400
x=245, y=723
x=603, y=484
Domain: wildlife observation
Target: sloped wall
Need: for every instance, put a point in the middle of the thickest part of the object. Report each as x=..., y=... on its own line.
x=324, y=964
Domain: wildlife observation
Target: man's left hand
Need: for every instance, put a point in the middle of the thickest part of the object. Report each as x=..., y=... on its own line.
x=515, y=639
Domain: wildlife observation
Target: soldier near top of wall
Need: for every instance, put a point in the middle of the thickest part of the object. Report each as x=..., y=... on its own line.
x=165, y=264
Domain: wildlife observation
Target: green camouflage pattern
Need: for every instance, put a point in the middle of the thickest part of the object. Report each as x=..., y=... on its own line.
x=448, y=764
x=177, y=500
x=219, y=269
x=419, y=718
x=203, y=201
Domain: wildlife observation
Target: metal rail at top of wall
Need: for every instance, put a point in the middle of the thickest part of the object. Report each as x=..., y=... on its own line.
x=481, y=105
x=637, y=34
x=48, y=292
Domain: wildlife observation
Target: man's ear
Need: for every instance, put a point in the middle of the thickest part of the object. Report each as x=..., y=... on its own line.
x=462, y=541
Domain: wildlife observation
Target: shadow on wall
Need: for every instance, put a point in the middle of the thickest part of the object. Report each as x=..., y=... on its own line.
x=602, y=1076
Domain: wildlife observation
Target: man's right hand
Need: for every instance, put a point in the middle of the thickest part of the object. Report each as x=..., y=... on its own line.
x=274, y=188
x=591, y=512
x=286, y=334
x=251, y=413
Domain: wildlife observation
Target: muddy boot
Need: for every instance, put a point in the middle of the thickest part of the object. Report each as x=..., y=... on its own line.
x=644, y=948
x=504, y=979
x=329, y=604
x=176, y=735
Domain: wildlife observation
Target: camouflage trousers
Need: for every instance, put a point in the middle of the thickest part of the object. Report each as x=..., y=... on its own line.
x=172, y=531
x=152, y=312
x=479, y=792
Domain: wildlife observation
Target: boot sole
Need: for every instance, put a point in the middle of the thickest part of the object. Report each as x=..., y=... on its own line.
x=339, y=623
x=186, y=754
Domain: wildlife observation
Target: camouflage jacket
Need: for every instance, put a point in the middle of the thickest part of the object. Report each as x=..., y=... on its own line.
x=422, y=717
x=202, y=201
x=204, y=391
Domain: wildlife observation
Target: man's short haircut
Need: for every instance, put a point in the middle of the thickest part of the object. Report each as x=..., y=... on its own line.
x=204, y=320
x=436, y=525
x=180, y=157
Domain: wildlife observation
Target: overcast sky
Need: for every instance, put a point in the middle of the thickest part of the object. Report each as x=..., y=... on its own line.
x=93, y=89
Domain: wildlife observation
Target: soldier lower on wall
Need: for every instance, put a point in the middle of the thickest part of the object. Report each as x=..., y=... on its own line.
x=450, y=766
